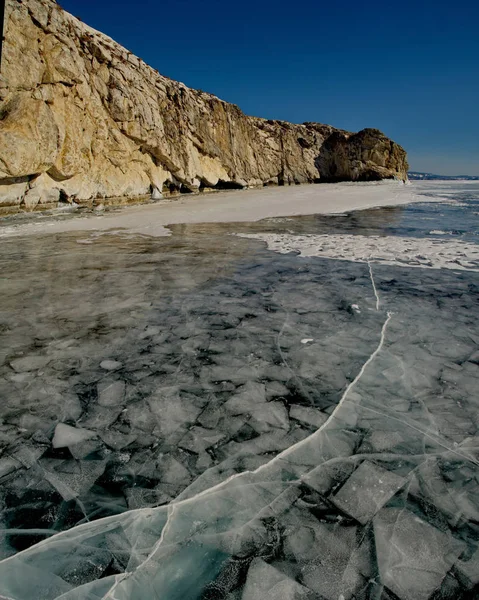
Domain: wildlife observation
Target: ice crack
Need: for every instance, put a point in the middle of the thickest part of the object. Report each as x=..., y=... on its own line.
x=171, y=511
x=340, y=403
x=374, y=285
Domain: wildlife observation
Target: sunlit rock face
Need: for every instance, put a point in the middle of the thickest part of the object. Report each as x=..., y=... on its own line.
x=365, y=156
x=82, y=117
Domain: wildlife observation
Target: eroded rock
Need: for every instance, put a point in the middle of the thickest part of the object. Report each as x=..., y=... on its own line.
x=87, y=119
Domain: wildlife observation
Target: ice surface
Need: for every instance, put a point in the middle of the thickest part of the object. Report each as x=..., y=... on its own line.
x=71, y=479
x=219, y=456
x=65, y=435
x=110, y=365
x=406, y=544
x=29, y=363
x=308, y=416
x=366, y=491
x=264, y=582
x=111, y=393
x=469, y=569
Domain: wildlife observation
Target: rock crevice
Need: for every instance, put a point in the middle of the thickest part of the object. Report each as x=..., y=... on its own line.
x=83, y=118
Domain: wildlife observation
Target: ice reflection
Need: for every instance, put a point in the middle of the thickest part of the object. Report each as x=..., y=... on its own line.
x=284, y=428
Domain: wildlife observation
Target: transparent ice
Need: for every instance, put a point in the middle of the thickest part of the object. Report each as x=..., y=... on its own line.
x=166, y=434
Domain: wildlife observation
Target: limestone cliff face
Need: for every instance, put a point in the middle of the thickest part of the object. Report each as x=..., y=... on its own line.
x=83, y=118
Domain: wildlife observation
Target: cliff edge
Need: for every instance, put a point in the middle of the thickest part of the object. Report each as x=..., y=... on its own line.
x=83, y=118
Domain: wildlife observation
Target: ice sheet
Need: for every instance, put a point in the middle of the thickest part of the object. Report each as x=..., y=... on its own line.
x=219, y=456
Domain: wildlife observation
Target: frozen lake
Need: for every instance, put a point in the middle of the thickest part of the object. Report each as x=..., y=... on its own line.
x=284, y=409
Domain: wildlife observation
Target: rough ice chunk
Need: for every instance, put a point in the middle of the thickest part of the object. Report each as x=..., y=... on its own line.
x=150, y=331
x=83, y=449
x=171, y=471
x=335, y=443
x=236, y=375
x=71, y=408
x=29, y=363
x=110, y=365
x=101, y=417
x=116, y=439
x=65, y=435
x=273, y=441
x=9, y=465
x=268, y=415
x=172, y=411
x=366, y=491
x=429, y=487
x=308, y=415
x=28, y=581
x=327, y=477
x=469, y=569
x=28, y=455
x=141, y=497
x=90, y=564
x=275, y=388
x=139, y=416
x=198, y=439
x=111, y=393
x=381, y=441
x=324, y=551
x=72, y=478
x=413, y=556
x=264, y=582
x=247, y=398
x=211, y=416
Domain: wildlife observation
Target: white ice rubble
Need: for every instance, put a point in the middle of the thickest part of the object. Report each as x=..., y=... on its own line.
x=391, y=250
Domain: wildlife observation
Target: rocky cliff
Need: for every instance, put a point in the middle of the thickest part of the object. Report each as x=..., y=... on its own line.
x=83, y=118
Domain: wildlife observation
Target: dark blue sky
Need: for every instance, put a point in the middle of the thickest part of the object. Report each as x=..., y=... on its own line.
x=409, y=68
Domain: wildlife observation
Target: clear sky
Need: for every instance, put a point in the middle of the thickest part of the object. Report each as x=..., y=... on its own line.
x=409, y=68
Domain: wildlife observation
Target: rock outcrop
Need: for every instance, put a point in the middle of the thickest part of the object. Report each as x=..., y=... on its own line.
x=82, y=118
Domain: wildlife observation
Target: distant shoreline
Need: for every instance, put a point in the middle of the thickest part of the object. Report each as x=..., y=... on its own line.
x=226, y=207
x=419, y=176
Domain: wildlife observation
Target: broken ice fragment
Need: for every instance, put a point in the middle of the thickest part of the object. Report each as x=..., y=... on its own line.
x=271, y=414
x=83, y=449
x=469, y=569
x=72, y=478
x=198, y=439
x=68, y=436
x=141, y=498
x=101, y=417
x=248, y=398
x=413, y=556
x=8, y=465
x=116, y=439
x=172, y=471
x=308, y=415
x=110, y=365
x=111, y=393
x=325, y=559
x=328, y=476
x=264, y=582
x=275, y=388
x=366, y=491
x=171, y=411
x=29, y=363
